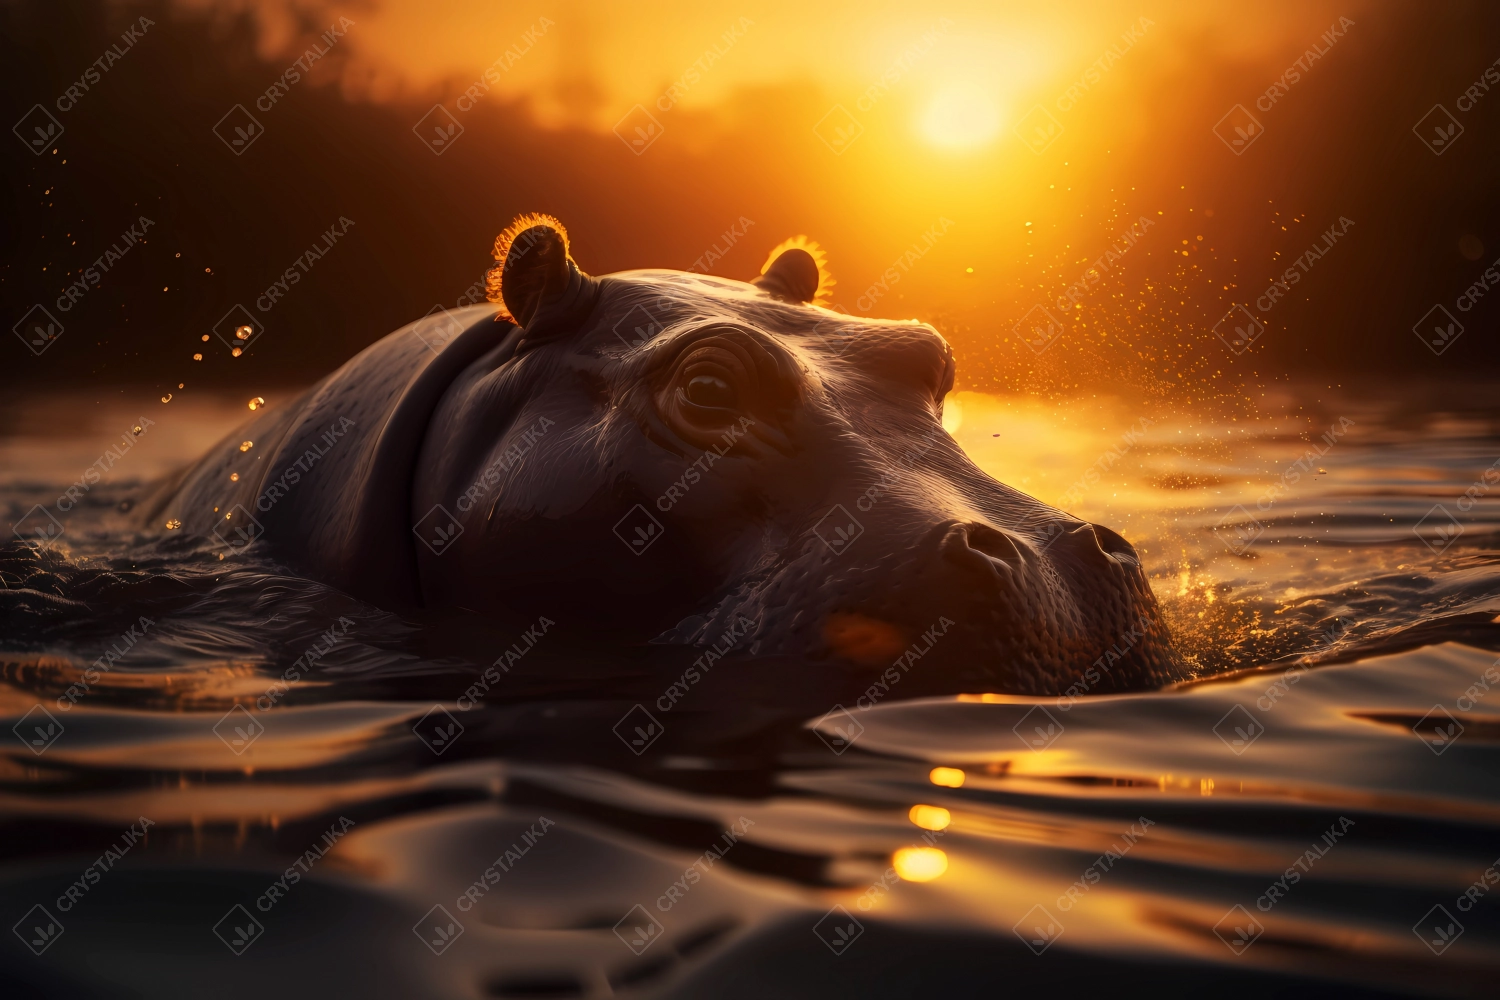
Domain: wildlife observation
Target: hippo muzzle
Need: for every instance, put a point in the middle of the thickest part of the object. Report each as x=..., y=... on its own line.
x=669, y=458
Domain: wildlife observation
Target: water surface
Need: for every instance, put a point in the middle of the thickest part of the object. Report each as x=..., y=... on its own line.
x=1306, y=816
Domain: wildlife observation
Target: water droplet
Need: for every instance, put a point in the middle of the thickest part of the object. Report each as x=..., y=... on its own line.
x=167, y=398
x=197, y=357
x=205, y=336
x=257, y=402
x=236, y=352
x=234, y=477
x=243, y=332
x=174, y=524
x=246, y=445
x=137, y=429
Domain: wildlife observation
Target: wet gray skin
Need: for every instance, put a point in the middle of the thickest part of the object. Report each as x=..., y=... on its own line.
x=655, y=456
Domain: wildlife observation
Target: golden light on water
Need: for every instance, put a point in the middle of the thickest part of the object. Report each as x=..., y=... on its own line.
x=947, y=777
x=930, y=817
x=919, y=864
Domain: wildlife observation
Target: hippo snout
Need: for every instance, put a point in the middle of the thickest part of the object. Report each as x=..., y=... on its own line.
x=974, y=606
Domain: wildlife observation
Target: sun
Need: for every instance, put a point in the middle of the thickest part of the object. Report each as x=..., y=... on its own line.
x=961, y=116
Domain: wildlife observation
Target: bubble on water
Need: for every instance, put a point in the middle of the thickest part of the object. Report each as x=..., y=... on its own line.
x=173, y=524
x=246, y=445
x=197, y=357
x=167, y=398
x=257, y=402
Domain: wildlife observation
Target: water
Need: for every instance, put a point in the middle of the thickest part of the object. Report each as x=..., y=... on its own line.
x=1350, y=656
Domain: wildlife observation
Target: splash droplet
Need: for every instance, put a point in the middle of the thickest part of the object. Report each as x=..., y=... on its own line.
x=257, y=402
x=167, y=398
x=173, y=524
x=246, y=445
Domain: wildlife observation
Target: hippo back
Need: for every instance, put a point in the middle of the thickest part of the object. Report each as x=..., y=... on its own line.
x=325, y=485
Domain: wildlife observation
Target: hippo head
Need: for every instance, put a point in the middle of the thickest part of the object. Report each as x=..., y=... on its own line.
x=658, y=456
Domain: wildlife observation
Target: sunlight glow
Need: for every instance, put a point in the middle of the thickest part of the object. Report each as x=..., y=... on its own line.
x=930, y=817
x=961, y=117
x=919, y=864
x=948, y=777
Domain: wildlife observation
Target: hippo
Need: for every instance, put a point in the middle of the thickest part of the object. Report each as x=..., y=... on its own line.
x=661, y=457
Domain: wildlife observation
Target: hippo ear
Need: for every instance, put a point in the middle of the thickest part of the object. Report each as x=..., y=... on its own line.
x=797, y=271
x=533, y=267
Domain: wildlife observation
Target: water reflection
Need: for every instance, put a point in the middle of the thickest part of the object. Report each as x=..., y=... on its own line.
x=1347, y=685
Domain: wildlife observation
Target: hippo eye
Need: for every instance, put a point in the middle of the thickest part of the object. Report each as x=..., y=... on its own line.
x=710, y=391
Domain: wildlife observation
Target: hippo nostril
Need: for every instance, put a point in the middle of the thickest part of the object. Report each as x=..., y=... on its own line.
x=980, y=547
x=1113, y=543
x=993, y=542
